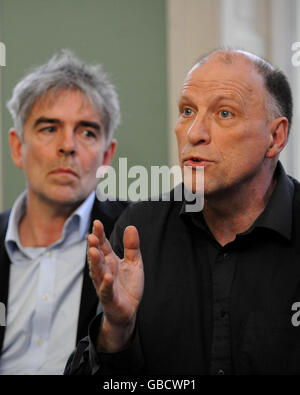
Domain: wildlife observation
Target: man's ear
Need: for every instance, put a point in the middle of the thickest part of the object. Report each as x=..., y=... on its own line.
x=109, y=153
x=278, y=137
x=15, y=144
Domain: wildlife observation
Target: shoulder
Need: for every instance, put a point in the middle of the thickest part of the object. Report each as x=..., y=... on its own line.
x=107, y=212
x=153, y=211
x=296, y=184
x=111, y=208
x=153, y=220
x=296, y=198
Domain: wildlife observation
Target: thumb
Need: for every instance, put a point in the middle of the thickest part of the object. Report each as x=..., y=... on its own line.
x=131, y=243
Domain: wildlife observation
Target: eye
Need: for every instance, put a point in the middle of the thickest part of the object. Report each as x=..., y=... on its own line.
x=49, y=129
x=187, y=111
x=225, y=114
x=89, y=134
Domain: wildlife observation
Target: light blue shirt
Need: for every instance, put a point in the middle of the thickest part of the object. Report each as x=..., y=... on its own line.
x=44, y=295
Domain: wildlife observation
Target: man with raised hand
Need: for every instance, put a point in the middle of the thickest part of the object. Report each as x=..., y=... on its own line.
x=65, y=113
x=217, y=291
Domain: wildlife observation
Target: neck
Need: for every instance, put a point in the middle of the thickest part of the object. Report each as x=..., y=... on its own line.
x=232, y=212
x=43, y=221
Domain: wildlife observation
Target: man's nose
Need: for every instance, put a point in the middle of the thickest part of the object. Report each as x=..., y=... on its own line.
x=199, y=133
x=67, y=143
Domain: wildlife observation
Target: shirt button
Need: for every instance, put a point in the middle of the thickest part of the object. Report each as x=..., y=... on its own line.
x=220, y=372
x=226, y=255
x=49, y=254
x=40, y=342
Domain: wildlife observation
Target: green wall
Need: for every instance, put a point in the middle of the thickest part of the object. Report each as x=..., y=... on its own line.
x=127, y=36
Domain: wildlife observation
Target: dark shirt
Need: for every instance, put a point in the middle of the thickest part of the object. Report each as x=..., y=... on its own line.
x=208, y=309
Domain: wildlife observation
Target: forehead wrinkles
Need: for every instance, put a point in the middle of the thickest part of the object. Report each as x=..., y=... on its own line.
x=242, y=92
x=241, y=89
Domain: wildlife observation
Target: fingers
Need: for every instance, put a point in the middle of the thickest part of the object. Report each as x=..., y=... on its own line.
x=98, y=229
x=131, y=244
x=101, y=257
x=103, y=281
x=98, y=239
x=93, y=241
x=106, y=289
x=97, y=269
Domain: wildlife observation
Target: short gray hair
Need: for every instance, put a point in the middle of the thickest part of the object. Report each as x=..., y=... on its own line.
x=66, y=71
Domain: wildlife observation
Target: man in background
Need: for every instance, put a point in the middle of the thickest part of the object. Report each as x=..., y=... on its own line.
x=65, y=113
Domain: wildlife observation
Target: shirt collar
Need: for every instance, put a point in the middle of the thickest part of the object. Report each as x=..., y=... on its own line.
x=16, y=214
x=278, y=213
x=75, y=227
x=82, y=213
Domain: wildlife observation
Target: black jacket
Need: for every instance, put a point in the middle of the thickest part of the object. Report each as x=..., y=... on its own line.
x=107, y=212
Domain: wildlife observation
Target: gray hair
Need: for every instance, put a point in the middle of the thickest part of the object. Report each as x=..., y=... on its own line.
x=65, y=71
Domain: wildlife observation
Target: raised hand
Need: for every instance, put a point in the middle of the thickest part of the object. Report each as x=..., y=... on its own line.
x=119, y=284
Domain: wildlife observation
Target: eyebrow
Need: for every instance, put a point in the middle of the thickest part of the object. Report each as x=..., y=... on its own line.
x=183, y=98
x=88, y=124
x=187, y=99
x=45, y=120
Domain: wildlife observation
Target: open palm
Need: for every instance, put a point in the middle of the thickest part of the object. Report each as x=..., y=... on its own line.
x=119, y=283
